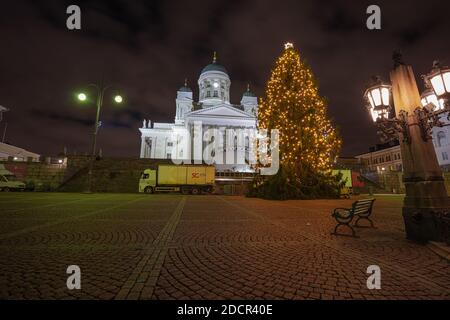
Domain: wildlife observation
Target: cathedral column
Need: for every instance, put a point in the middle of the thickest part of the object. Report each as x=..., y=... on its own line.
x=143, y=146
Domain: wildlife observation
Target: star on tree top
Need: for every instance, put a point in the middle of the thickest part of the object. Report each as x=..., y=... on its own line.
x=288, y=45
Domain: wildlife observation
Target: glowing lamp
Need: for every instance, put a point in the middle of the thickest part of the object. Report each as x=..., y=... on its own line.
x=82, y=97
x=378, y=96
x=429, y=97
x=439, y=79
x=118, y=99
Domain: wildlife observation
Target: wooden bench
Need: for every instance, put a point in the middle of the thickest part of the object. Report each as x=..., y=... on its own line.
x=361, y=209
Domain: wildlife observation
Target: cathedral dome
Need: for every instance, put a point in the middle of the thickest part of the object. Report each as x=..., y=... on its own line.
x=214, y=66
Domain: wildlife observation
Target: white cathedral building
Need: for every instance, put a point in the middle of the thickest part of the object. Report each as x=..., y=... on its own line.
x=213, y=109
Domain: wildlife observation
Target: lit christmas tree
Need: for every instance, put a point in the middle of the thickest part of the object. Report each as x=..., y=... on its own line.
x=308, y=142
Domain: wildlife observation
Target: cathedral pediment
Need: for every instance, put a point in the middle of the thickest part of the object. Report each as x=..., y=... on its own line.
x=224, y=110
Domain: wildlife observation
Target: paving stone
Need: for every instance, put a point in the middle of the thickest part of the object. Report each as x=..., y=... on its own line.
x=207, y=247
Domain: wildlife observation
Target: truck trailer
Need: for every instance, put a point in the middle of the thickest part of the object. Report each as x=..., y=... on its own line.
x=187, y=179
x=351, y=179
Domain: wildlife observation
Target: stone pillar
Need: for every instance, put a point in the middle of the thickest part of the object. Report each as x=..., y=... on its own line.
x=143, y=146
x=426, y=196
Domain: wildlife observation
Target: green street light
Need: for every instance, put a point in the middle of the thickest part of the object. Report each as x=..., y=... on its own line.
x=118, y=99
x=82, y=97
x=101, y=90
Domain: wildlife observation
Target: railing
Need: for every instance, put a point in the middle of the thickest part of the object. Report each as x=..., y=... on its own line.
x=235, y=176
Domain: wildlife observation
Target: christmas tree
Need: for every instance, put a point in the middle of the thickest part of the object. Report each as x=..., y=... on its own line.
x=308, y=142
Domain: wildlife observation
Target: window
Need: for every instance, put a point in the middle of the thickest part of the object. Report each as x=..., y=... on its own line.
x=216, y=94
x=170, y=144
x=444, y=156
x=169, y=156
x=441, y=139
x=208, y=94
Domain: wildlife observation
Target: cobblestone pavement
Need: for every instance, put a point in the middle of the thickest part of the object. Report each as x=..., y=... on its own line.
x=206, y=247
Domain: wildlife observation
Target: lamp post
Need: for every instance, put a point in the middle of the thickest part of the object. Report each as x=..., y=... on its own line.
x=2, y=110
x=83, y=97
x=426, y=204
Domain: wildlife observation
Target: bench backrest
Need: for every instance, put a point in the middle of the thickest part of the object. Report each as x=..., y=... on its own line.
x=363, y=206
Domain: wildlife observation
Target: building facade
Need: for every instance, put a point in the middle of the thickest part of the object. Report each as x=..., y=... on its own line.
x=13, y=153
x=387, y=157
x=213, y=110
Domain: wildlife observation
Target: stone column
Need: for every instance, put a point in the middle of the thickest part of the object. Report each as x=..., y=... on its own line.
x=143, y=145
x=426, y=197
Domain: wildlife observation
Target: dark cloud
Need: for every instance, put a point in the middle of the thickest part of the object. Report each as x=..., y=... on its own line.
x=146, y=49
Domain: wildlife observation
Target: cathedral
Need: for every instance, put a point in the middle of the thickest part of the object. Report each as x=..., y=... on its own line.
x=213, y=111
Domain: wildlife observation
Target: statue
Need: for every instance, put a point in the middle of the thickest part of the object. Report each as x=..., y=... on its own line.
x=398, y=59
x=144, y=125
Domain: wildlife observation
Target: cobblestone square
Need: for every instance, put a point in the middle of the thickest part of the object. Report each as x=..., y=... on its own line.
x=206, y=247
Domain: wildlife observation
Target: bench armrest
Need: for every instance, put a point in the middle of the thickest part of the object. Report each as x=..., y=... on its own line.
x=342, y=212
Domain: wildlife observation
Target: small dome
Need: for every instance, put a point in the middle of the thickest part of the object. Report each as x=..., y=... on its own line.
x=248, y=93
x=185, y=88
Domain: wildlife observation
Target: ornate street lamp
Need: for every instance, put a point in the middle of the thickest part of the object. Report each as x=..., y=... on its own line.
x=379, y=95
x=378, y=98
x=426, y=205
x=439, y=81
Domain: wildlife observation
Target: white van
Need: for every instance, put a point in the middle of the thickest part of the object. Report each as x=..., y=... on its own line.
x=9, y=182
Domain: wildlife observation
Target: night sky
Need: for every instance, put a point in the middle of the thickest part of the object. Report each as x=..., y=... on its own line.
x=147, y=48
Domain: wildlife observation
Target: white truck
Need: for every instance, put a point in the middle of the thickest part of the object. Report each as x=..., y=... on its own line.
x=10, y=183
x=187, y=179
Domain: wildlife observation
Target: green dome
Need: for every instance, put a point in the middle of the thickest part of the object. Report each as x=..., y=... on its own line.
x=185, y=89
x=214, y=67
x=248, y=93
